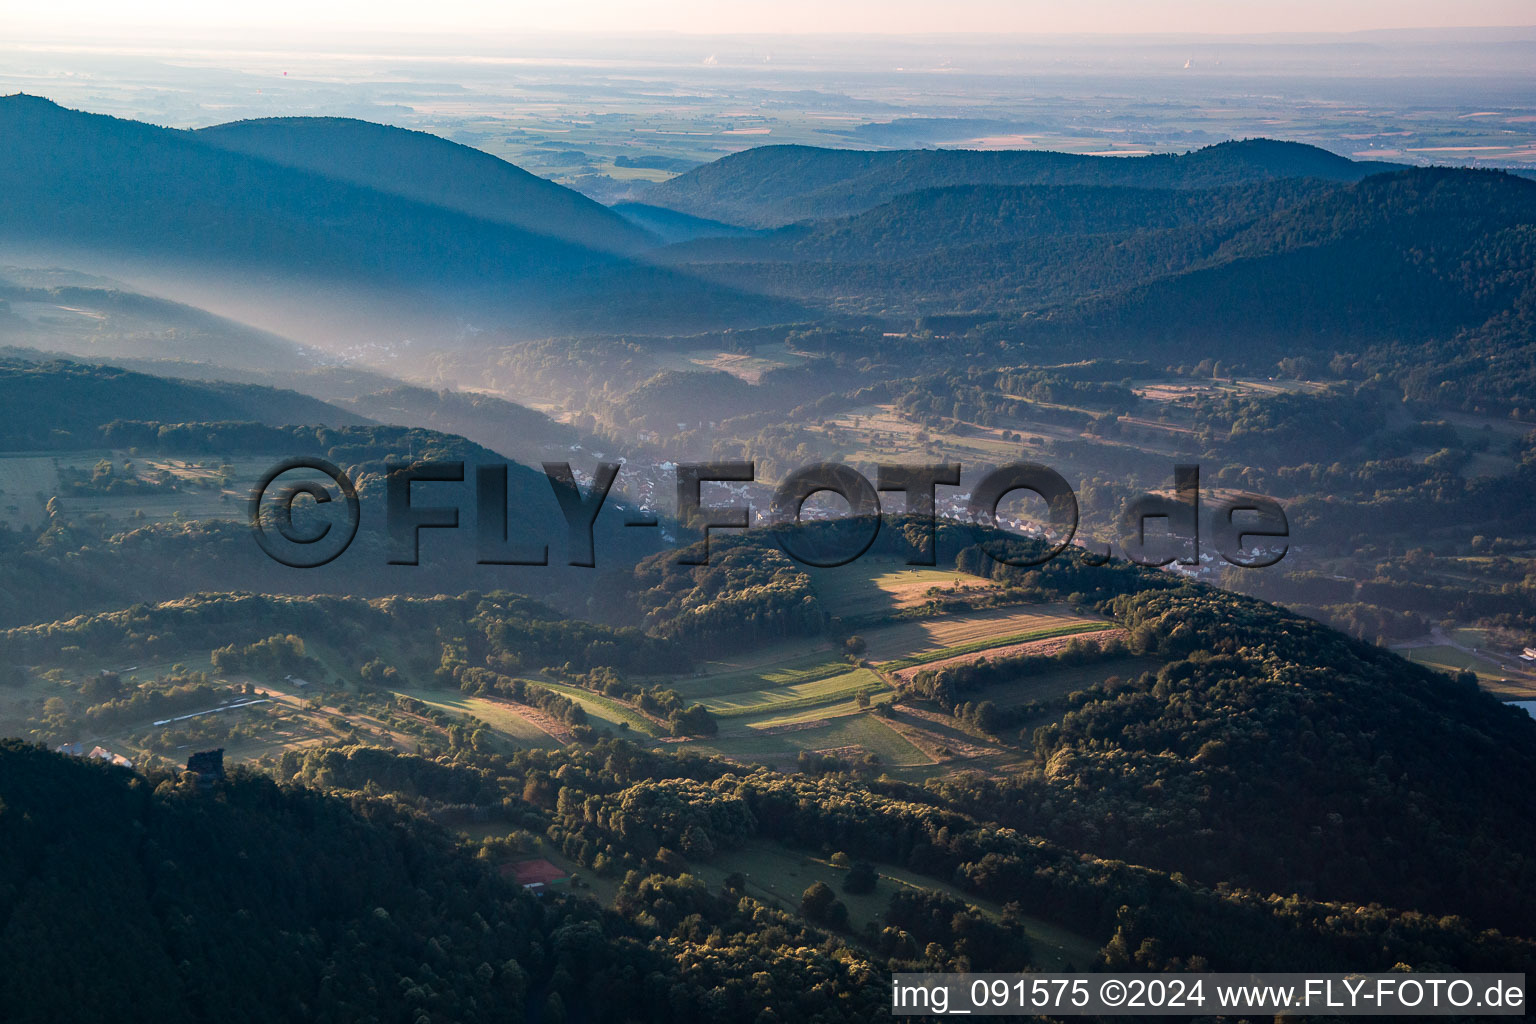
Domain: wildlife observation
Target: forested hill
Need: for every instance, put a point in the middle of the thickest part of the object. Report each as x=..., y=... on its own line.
x=1440, y=259
x=304, y=254
x=136, y=898
x=76, y=561
x=92, y=180
x=432, y=170
x=1418, y=255
x=112, y=323
x=329, y=896
x=63, y=404
x=973, y=215
x=125, y=897
x=775, y=185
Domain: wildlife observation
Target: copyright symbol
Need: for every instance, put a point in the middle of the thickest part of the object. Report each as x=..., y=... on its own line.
x=1112, y=992
x=277, y=518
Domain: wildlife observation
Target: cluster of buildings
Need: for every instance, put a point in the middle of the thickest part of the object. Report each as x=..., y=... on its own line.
x=99, y=753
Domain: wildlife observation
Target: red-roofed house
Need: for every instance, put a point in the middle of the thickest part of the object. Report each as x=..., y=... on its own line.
x=534, y=875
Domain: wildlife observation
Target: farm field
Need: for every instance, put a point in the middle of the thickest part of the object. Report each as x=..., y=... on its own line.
x=776, y=703
x=771, y=704
x=510, y=720
x=852, y=734
x=1054, y=643
x=797, y=695
x=1496, y=678
x=749, y=368
x=782, y=716
x=949, y=744
x=779, y=665
x=878, y=586
x=876, y=432
x=603, y=708
x=27, y=480
x=1175, y=388
x=918, y=640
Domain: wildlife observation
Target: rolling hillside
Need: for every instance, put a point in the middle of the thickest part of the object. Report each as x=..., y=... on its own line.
x=776, y=185
x=999, y=246
x=428, y=596
x=121, y=889
x=429, y=169
x=302, y=254
x=1418, y=255
x=62, y=404
x=159, y=471
x=102, y=323
x=1435, y=257
x=934, y=219
x=169, y=340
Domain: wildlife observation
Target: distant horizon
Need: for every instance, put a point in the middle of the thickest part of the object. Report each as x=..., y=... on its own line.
x=580, y=106
x=1231, y=140
x=32, y=32
x=758, y=18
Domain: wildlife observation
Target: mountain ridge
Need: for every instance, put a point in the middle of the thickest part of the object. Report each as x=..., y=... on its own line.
x=771, y=186
x=49, y=402
x=430, y=169
x=301, y=254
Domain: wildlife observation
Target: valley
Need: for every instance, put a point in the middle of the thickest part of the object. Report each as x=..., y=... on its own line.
x=438, y=777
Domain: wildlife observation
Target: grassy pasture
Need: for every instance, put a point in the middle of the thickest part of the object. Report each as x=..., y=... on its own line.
x=795, y=696
x=878, y=585
x=917, y=640
x=749, y=368
x=500, y=716
x=24, y=476
x=1446, y=657
x=1472, y=637
x=989, y=643
x=603, y=708
x=780, y=665
x=1490, y=674
x=865, y=731
x=820, y=712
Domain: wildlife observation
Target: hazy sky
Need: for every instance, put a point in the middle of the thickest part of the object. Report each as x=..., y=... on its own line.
x=94, y=17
